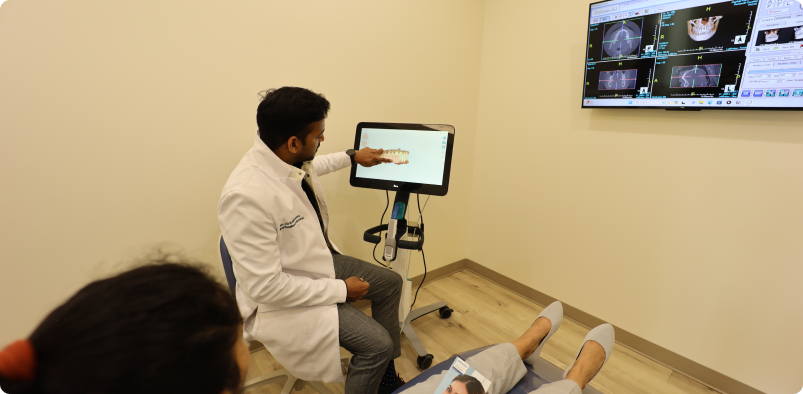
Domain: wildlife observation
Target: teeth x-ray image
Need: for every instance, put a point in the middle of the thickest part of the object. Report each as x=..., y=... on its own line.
x=701, y=29
x=621, y=39
x=617, y=79
x=696, y=76
x=771, y=35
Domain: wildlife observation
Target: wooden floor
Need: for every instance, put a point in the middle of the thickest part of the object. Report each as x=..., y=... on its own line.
x=486, y=313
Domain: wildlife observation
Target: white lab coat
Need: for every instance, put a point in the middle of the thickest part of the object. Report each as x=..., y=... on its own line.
x=286, y=286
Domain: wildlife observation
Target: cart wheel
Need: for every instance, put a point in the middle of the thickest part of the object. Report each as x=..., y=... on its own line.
x=425, y=361
x=445, y=312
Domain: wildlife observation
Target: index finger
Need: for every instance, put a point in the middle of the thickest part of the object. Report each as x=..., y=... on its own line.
x=379, y=151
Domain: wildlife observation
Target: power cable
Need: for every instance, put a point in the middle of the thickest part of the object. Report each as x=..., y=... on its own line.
x=423, y=257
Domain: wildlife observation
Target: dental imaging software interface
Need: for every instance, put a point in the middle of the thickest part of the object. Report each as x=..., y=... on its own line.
x=418, y=156
x=695, y=53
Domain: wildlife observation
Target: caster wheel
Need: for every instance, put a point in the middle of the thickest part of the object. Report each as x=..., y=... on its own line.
x=424, y=362
x=445, y=312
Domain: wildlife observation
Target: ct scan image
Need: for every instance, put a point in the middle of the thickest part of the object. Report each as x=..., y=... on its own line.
x=622, y=39
x=783, y=35
x=631, y=38
x=702, y=29
x=696, y=76
x=703, y=75
x=626, y=78
x=711, y=28
x=617, y=79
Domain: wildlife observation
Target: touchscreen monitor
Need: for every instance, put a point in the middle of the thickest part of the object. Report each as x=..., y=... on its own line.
x=421, y=157
x=694, y=54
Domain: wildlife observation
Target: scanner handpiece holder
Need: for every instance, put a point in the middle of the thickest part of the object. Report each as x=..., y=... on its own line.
x=396, y=229
x=397, y=226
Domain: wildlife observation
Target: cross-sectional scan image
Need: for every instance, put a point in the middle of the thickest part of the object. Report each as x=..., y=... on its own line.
x=701, y=29
x=706, y=75
x=696, y=76
x=626, y=78
x=397, y=155
x=622, y=39
x=617, y=79
x=631, y=38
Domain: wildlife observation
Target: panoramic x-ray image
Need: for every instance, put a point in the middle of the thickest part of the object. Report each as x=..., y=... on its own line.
x=696, y=76
x=621, y=39
x=617, y=79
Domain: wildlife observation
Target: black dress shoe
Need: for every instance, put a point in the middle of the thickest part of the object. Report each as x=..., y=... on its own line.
x=390, y=389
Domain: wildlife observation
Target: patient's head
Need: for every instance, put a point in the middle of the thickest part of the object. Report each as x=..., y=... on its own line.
x=465, y=384
x=159, y=328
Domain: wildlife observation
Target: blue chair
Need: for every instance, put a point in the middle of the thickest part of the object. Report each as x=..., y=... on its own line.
x=291, y=382
x=539, y=374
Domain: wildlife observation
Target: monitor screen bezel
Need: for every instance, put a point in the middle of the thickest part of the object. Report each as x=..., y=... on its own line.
x=420, y=188
x=665, y=107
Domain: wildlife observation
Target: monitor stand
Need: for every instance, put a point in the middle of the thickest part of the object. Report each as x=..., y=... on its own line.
x=405, y=231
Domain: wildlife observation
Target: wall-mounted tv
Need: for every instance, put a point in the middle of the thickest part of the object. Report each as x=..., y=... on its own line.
x=694, y=54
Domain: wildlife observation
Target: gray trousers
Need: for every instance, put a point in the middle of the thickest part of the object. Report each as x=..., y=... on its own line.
x=375, y=340
x=501, y=365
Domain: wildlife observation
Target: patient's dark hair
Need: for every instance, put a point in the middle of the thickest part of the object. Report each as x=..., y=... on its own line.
x=159, y=328
x=473, y=386
x=288, y=112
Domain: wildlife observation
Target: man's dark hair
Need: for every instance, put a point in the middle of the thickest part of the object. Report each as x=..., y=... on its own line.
x=288, y=112
x=157, y=329
x=473, y=386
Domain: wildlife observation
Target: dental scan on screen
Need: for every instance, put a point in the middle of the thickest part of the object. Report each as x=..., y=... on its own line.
x=695, y=54
x=418, y=155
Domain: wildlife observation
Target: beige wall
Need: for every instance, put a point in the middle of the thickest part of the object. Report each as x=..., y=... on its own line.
x=122, y=120
x=682, y=228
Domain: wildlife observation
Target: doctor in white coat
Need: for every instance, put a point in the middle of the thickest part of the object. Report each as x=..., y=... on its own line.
x=293, y=284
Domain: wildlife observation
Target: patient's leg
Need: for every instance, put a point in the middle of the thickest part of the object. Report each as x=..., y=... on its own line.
x=529, y=341
x=501, y=364
x=588, y=363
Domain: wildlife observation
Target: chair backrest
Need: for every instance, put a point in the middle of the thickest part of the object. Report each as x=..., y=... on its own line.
x=226, y=258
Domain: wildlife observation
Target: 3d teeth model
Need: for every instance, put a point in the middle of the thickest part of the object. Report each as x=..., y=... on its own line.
x=701, y=29
x=799, y=33
x=771, y=35
x=397, y=155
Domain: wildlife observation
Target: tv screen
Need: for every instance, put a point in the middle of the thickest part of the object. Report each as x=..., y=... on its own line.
x=694, y=54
